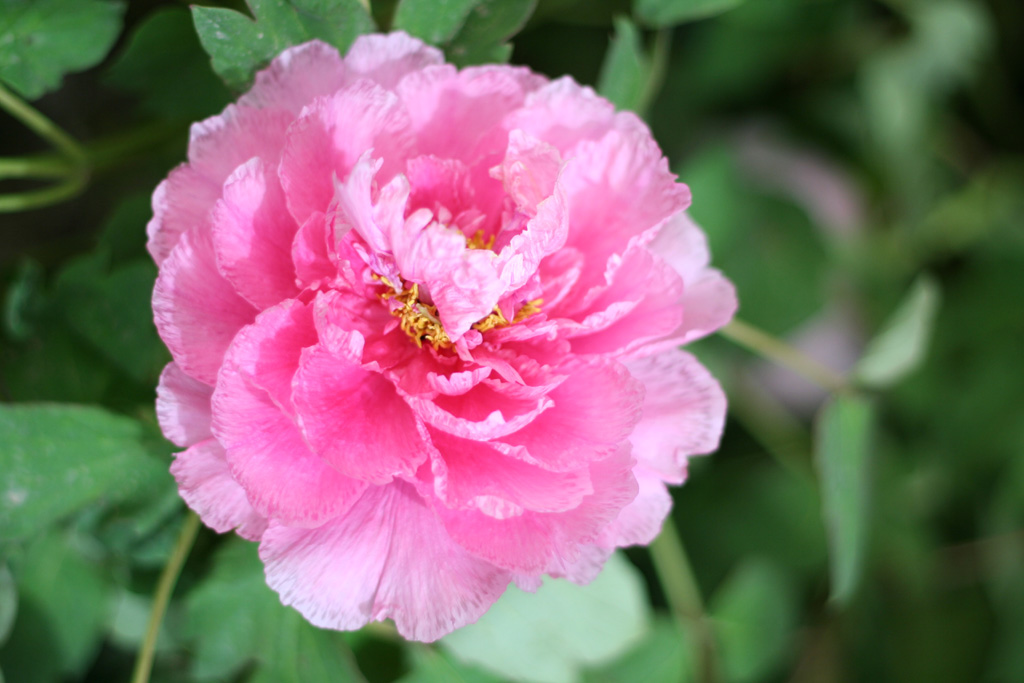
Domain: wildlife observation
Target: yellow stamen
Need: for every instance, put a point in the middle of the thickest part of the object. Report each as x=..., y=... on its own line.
x=420, y=322
x=477, y=241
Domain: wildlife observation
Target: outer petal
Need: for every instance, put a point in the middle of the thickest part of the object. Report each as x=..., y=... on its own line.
x=252, y=235
x=709, y=299
x=386, y=58
x=217, y=146
x=183, y=407
x=204, y=481
x=297, y=76
x=388, y=556
x=683, y=413
x=196, y=311
x=618, y=188
x=640, y=521
x=459, y=114
x=563, y=113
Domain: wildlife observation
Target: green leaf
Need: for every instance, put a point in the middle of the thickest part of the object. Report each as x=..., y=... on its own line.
x=626, y=69
x=434, y=666
x=670, y=12
x=754, y=614
x=666, y=655
x=903, y=342
x=239, y=46
x=235, y=619
x=435, y=21
x=8, y=602
x=113, y=312
x=552, y=635
x=41, y=40
x=54, y=459
x=487, y=29
x=843, y=454
x=64, y=602
x=164, y=65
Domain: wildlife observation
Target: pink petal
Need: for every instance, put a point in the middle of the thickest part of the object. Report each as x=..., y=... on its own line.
x=282, y=478
x=535, y=542
x=267, y=352
x=204, y=481
x=253, y=233
x=196, y=311
x=473, y=473
x=386, y=58
x=682, y=244
x=325, y=142
x=296, y=77
x=594, y=411
x=458, y=114
x=640, y=522
x=622, y=184
x=387, y=557
x=484, y=412
x=183, y=407
x=217, y=146
x=563, y=114
x=640, y=304
x=529, y=170
x=683, y=413
x=708, y=305
x=354, y=419
x=310, y=254
x=709, y=299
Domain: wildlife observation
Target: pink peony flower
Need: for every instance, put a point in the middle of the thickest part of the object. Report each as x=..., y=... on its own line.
x=425, y=327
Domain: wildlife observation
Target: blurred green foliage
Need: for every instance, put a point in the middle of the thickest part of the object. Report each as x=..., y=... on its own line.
x=850, y=160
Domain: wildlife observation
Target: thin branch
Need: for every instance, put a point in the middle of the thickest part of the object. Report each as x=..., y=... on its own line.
x=164, y=588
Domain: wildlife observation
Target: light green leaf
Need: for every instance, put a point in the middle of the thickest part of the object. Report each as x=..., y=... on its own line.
x=843, y=452
x=626, y=69
x=435, y=21
x=552, y=635
x=670, y=12
x=64, y=602
x=666, y=655
x=164, y=65
x=54, y=459
x=488, y=27
x=903, y=342
x=754, y=614
x=41, y=40
x=239, y=46
x=8, y=602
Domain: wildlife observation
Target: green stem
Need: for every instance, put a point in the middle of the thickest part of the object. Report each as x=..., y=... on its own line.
x=772, y=348
x=34, y=199
x=46, y=128
x=164, y=588
x=42, y=166
x=683, y=595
